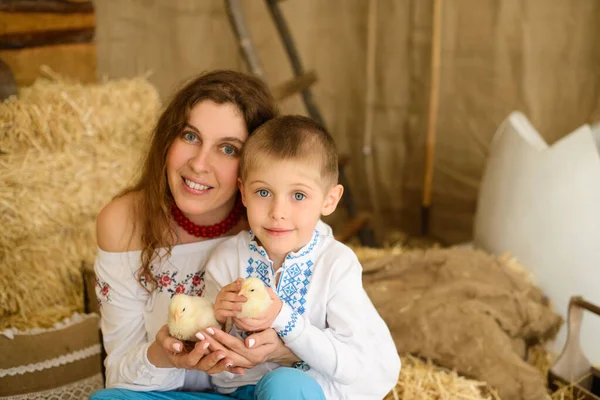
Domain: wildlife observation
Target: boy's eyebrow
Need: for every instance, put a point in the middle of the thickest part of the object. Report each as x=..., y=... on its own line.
x=259, y=182
x=223, y=139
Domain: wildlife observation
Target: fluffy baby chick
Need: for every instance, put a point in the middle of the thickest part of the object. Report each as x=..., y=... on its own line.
x=188, y=315
x=258, y=298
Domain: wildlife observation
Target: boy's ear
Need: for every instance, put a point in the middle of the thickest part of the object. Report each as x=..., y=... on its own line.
x=241, y=188
x=332, y=198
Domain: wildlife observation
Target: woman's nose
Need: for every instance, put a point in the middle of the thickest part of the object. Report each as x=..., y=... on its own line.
x=201, y=161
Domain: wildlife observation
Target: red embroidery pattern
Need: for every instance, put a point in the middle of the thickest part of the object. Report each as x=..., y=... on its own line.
x=103, y=292
x=191, y=284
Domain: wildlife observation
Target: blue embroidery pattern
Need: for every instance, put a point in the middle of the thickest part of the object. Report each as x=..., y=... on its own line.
x=308, y=250
x=289, y=326
x=259, y=269
x=295, y=278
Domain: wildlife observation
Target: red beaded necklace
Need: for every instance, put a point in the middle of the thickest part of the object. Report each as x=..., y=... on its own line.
x=209, y=231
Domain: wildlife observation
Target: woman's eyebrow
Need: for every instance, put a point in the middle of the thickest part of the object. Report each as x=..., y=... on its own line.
x=192, y=128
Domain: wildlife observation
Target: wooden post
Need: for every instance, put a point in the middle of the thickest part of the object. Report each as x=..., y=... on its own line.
x=432, y=114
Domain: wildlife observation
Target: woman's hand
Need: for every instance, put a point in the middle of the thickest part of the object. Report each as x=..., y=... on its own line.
x=256, y=349
x=263, y=321
x=228, y=301
x=167, y=352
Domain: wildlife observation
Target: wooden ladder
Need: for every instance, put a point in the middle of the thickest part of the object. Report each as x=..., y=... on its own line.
x=300, y=83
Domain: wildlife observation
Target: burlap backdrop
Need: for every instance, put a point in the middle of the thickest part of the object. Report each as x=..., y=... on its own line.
x=537, y=56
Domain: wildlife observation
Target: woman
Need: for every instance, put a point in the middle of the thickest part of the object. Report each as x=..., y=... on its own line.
x=155, y=238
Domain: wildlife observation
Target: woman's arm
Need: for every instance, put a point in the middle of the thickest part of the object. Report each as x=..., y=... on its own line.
x=132, y=361
x=256, y=349
x=124, y=332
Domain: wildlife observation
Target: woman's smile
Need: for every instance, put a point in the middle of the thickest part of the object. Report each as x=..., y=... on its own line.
x=195, y=187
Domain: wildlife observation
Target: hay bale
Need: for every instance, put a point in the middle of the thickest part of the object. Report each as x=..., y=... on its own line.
x=42, y=280
x=53, y=113
x=42, y=192
x=65, y=150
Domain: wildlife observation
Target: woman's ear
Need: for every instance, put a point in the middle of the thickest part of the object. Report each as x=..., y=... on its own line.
x=241, y=188
x=332, y=198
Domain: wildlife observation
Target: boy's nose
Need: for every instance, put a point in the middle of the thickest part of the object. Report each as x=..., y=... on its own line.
x=278, y=209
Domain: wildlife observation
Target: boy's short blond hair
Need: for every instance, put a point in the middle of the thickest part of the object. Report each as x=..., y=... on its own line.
x=291, y=137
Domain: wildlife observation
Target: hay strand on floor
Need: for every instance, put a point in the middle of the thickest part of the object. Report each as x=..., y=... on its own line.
x=425, y=381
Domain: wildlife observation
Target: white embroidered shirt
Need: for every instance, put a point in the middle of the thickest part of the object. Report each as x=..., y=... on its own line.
x=327, y=319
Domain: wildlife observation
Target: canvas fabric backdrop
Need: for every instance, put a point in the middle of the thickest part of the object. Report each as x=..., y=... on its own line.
x=536, y=56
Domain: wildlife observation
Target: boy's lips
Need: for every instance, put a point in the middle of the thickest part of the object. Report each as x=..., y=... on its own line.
x=277, y=231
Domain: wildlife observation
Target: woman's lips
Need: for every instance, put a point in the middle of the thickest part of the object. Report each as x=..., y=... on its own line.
x=195, y=187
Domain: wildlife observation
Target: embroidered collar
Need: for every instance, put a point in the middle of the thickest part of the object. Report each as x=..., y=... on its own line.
x=296, y=271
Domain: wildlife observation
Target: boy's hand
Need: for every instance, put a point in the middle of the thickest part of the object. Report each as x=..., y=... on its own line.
x=263, y=321
x=228, y=301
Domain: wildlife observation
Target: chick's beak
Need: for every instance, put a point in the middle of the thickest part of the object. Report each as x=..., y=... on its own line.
x=177, y=316
x=242, y=292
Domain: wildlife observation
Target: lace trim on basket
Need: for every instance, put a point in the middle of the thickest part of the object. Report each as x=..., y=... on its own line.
x=53, y=362
x=72, y=391
x=65, y=323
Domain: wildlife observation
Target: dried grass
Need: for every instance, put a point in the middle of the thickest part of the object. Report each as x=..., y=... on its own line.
x=65, y=150
x=424, y=380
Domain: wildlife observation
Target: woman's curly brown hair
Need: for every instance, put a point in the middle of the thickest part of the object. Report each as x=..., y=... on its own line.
x=254, y=100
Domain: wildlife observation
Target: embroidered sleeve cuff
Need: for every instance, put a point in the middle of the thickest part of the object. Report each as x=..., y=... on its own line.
x=288, y=324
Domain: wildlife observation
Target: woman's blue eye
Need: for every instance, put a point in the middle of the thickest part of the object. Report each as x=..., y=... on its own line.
x=299, y=196
x=229, y=150
x=263, y=193
x=189, y=136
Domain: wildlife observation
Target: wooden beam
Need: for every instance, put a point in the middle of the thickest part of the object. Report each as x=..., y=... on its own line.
x=78, y=61
x=46, y=38
x=53, y=6
x=296, y=85
x=19, y=22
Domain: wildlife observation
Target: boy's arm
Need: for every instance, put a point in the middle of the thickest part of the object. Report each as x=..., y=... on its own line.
x=220, y=269
x=336, y=352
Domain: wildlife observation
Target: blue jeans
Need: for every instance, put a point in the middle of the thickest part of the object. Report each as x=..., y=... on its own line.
x=282, y=383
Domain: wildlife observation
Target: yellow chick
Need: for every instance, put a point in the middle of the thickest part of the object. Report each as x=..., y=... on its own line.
x=258, y=298
x=189, y=315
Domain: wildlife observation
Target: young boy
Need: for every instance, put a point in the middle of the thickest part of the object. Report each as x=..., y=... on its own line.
x=288, y=180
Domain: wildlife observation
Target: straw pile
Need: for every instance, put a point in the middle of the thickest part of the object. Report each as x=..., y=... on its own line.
x=424, y=380
x=65, y=150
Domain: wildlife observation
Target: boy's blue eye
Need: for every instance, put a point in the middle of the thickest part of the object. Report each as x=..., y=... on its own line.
x=263, y=193
x=299, y=196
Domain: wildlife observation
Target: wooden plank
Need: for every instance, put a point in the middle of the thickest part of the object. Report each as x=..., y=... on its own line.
x=75, y=61
x=294, y=86
x=46, y=38
x=14, y=22
x=54, y=6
